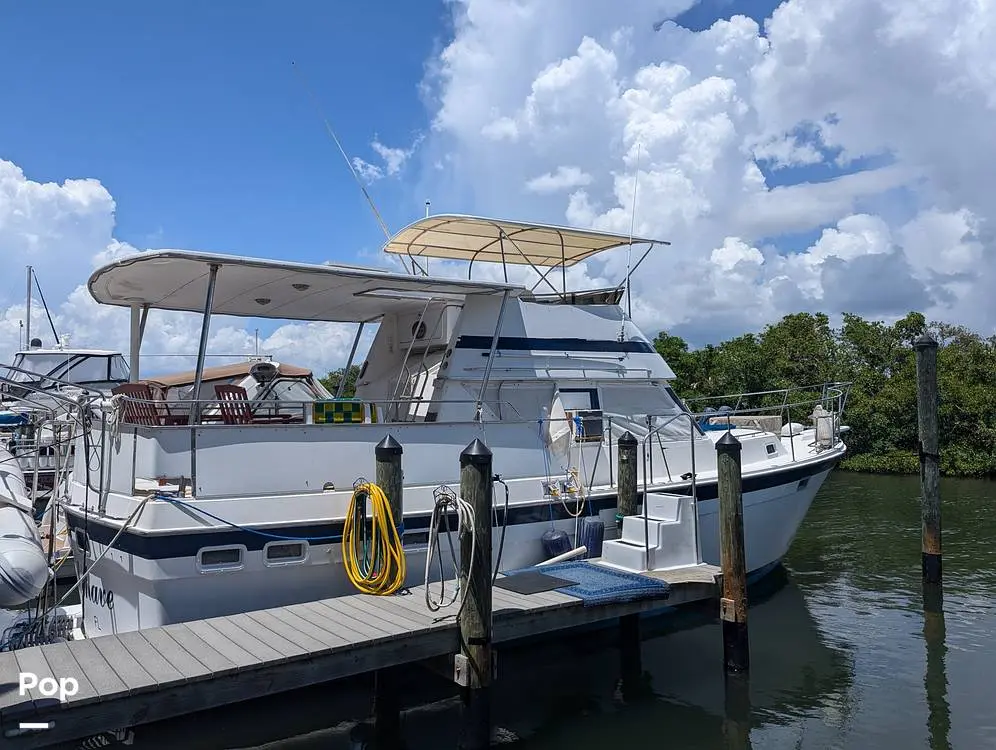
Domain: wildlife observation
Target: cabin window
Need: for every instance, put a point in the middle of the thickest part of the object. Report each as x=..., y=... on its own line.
x=579, y=399
x=283, y=553
x=582, y=407
x=631, y=405
x=118, y=369
x=524, y=402
x=770, y=447
x=220, y=558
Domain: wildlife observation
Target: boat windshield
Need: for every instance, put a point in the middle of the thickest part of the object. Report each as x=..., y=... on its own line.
x=71, y=367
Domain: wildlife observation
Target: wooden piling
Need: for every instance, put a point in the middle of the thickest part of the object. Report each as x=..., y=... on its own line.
x=733, y=605
x=930, y=505
x=387, y=706
x=390, y=477
x=627, y=487
x=475, y=613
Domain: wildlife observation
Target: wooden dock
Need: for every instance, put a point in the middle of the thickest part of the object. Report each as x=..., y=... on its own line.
x=139, y=677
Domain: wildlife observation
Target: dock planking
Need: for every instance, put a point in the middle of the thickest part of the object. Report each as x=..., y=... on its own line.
x=160, y=673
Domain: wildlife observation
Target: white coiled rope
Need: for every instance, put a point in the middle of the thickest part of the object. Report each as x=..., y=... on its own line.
x=447, y=501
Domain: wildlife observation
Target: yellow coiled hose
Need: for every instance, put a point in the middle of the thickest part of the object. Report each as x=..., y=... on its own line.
x=375, y=565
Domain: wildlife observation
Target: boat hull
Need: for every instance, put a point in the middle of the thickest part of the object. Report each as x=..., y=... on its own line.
x=128, y=591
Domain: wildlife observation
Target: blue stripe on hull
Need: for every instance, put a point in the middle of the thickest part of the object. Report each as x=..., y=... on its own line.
x=156, y=546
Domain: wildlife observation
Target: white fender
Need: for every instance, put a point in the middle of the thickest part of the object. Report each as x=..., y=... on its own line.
x=24, y=568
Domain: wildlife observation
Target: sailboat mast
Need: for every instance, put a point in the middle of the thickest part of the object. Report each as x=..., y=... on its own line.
x=27, y=316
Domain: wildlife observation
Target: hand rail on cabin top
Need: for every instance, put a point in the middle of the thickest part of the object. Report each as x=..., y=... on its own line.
x=51, y=393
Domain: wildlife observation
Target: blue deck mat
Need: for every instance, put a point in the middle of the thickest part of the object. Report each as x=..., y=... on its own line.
x=596, y=584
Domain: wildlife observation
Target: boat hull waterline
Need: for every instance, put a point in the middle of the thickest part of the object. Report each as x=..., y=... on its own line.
x=125, y=591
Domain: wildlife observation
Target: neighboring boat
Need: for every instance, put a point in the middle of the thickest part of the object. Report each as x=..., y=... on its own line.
x=36, y=403
x=32, y=391
x=210, y=506
x=24, y=569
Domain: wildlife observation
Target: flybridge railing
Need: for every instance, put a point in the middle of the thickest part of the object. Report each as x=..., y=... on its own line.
x=833, y=397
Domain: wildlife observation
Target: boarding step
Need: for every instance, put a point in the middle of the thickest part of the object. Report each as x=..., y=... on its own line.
x=665, y=539
x=626, y=555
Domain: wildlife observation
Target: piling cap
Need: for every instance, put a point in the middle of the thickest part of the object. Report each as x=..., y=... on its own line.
x=627, y=439
x=388, y=447
x=925, y=341
x=475, y=453
x=728, y=443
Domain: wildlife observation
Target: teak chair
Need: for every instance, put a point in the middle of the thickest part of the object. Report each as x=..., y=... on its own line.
x=141, y=407
x=233, y=401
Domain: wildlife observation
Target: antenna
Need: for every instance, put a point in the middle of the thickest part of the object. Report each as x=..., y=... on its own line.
x=349, y=164
x=632, y=222
x=48, y=314
x=427, y=209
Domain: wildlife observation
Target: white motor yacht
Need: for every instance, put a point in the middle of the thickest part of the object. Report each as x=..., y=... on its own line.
x=203, y=506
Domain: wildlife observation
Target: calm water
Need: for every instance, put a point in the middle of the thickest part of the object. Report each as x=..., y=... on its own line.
x=842, y=654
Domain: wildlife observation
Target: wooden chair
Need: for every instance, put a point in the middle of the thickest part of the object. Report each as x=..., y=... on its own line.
x=141, y=407
x=233, y=401
x=234, y=404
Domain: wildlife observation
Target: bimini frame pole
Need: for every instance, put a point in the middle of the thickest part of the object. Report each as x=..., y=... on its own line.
x=195, y=406
x=349, y=362
x=491, y=356
x=195, y=411
x=137, y=316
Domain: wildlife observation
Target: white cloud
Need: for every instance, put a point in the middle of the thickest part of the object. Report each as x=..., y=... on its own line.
x=564, y=178
x=524, y=90
x=64, y=231
x=394, y=160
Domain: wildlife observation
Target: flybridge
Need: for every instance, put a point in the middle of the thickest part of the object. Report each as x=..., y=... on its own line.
x=253, y=287
x=421, y=311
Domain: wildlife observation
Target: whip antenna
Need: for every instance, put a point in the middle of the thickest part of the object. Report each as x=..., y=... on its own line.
x=342, y=151
x=629, y=252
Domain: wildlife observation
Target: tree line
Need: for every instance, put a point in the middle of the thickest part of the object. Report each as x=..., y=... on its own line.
x=878, y=359
x=803, y=349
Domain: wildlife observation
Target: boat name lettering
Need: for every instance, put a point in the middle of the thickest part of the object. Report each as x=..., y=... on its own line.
x=98, y=596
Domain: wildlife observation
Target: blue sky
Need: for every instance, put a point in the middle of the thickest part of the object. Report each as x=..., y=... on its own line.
x=193, y=118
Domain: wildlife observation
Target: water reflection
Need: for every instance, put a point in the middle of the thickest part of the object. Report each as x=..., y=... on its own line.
x=794, y=673
x=847, y=651
x=935, y=679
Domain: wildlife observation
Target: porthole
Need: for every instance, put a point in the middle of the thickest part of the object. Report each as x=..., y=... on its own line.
x=210, y=559
x=284, y=553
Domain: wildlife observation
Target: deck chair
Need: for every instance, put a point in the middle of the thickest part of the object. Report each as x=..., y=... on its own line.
x=233, y=401
x=141, y=407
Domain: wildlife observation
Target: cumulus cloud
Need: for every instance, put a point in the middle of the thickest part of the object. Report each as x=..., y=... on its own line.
x=393, y=160
x=874, y=116
x=564, y=178
x=64, y=231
